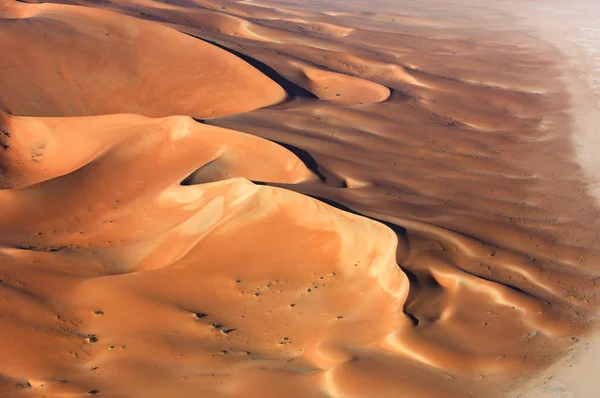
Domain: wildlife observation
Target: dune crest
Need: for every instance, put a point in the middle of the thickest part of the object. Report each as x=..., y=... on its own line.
x=141, y=221
x=98, y=62
x=37, y=144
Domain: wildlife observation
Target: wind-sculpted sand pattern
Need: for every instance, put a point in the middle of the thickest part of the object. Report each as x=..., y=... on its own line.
x=250, y=199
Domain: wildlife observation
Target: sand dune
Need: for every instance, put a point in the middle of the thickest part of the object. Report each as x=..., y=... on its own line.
x=128, y=217
x=343, y=89
x=37, y=147
x=379, y=202
x=96, y=62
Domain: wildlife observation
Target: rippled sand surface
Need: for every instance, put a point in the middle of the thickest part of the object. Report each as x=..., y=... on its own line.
x=285, y=199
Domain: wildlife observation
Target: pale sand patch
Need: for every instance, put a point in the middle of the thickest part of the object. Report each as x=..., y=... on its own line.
x=575, y=377
x=561, y=25
x=572, y=29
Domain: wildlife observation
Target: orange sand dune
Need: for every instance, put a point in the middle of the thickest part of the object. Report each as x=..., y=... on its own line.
x=346, y=90
x=37, y=146
x=144, y=220
x=96, y=62
x=381, y=202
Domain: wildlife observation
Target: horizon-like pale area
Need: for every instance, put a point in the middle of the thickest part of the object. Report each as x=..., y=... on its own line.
x=574, y=28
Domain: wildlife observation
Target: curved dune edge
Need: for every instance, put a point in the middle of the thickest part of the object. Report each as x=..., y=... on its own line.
x=339, y=88
x=98, y=62
x=37, y=146
x=135, y=224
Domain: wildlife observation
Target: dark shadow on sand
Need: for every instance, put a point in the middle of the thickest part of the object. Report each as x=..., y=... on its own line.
x=305, y=157
x=292, y=89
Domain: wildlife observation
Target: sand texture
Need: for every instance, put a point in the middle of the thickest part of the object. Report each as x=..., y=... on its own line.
x=255, y=199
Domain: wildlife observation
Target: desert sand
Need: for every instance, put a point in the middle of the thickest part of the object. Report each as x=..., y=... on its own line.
x=572, y=29
x=269, y=199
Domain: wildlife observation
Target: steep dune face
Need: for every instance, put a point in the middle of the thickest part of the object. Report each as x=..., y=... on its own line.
x=244, y=275
x=36, y=148
x=422, y=234
x=96, y=62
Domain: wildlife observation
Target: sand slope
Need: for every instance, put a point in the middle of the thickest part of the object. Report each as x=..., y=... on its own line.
x=95, y=62
x=381, y=201
x=122, y=216
x=37, y=146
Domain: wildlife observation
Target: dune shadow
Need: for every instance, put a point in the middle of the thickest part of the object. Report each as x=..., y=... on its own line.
x=306, y=158
x=399, y=230
x=291, y=88
x=325, y=176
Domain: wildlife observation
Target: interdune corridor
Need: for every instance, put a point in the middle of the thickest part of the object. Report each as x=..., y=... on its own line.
x=346, y=199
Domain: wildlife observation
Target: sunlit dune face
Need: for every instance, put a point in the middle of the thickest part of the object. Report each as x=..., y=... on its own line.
x=95, y=63
x=379, y=201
